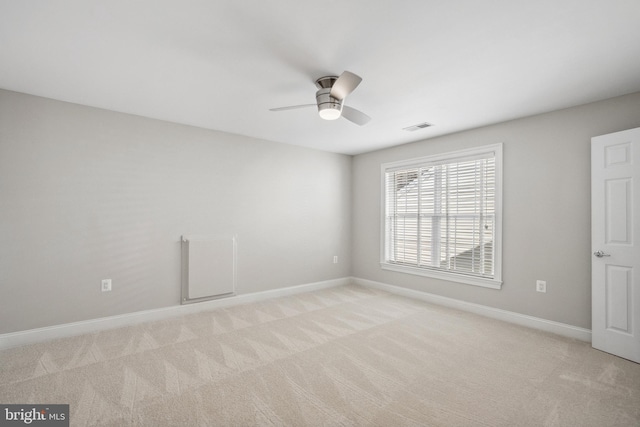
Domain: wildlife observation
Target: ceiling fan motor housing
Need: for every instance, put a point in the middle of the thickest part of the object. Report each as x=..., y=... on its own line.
x=329, y=107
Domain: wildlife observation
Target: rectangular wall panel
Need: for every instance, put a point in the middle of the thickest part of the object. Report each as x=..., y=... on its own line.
x=208, y=267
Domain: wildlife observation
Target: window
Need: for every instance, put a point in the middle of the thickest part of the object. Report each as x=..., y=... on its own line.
x=441, y=216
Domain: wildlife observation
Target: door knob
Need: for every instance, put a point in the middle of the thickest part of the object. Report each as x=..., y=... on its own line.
x=600, y=254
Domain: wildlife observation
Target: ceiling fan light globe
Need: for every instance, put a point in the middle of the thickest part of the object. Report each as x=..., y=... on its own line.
x=330, y=113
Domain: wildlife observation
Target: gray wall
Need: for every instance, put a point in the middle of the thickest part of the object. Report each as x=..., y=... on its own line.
x=546, y=225
x=88, y=194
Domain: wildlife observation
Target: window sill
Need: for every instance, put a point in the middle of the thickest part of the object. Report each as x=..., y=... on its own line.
x=452, y=277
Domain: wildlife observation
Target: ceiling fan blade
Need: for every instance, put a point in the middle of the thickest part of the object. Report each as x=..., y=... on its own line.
x=346, y=83
x=293, y=107
x=355, y=116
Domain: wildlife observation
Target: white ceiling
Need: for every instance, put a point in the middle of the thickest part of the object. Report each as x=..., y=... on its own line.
x=222, y=64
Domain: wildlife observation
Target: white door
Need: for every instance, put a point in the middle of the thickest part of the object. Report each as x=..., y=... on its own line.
x=615, y=231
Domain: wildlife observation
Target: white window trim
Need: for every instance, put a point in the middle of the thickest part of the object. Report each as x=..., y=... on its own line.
x=496, y=281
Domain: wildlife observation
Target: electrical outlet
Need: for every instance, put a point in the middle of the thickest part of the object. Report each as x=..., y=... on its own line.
x=106, y=285
x=541, y=286
x=335, y=259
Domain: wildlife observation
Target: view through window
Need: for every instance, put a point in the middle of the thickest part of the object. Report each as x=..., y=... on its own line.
x=440, y=214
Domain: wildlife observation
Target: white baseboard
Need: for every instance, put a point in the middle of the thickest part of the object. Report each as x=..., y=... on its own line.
x=495, y=313
x=15, y=339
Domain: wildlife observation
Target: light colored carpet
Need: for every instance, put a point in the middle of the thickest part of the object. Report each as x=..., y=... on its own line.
x=338, y=357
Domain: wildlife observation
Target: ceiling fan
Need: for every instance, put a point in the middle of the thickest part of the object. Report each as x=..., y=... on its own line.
x=332, y=91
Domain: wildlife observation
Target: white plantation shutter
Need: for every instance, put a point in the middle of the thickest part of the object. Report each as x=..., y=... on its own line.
x=440, y=214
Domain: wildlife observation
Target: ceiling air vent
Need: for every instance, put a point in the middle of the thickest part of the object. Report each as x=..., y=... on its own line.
x=418, y=126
